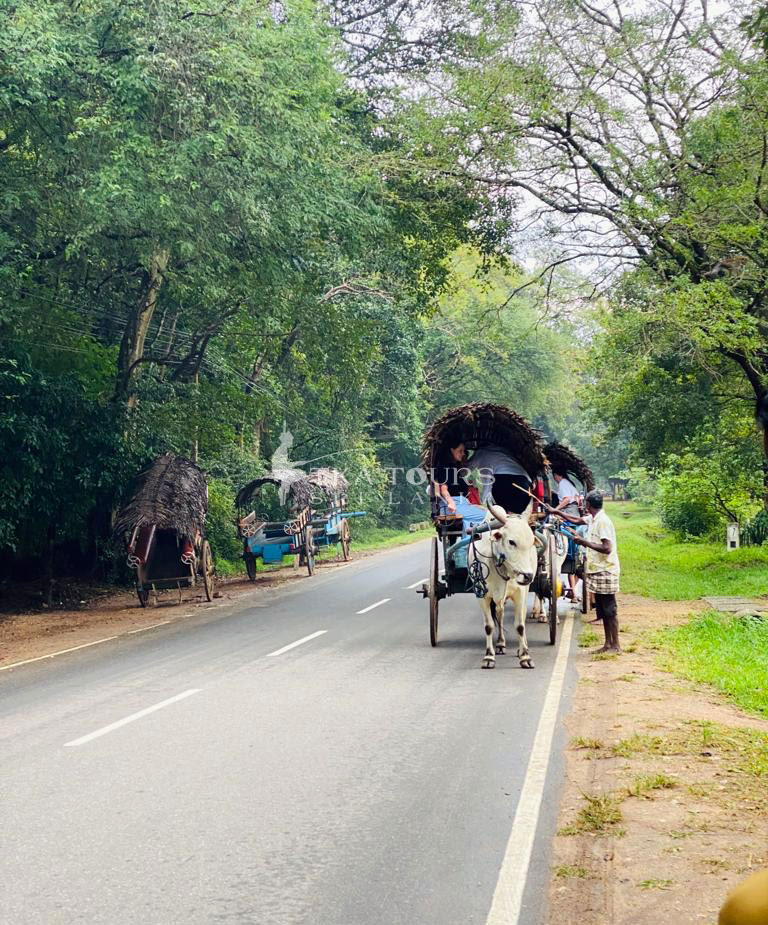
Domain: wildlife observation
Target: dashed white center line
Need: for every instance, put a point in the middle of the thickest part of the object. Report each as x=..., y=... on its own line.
x=299, y=642
x=421, y=581
x=377, y=604
x=132, y=718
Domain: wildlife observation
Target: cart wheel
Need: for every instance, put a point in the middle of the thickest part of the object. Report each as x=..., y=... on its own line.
x=553, y=576
x=143, y=594
x=309, y=551
x=250, y=565
x=208, y=574
x=433, y=599
x=345, y=540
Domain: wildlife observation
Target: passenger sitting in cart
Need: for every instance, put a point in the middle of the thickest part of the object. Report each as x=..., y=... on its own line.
x=502, y=478
x=455, y=493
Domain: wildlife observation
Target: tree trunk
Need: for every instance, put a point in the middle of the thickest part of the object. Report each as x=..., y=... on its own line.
x=135, y=334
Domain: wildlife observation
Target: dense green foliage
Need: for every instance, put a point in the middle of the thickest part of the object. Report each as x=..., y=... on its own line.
x=217, y=218
x=207, y=229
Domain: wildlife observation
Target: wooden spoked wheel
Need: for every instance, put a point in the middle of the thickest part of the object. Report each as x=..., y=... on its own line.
x=208, y=573
x=345, y=540
x=250, y=565
x=553, y=577
x=309, y=551
x=432, y=588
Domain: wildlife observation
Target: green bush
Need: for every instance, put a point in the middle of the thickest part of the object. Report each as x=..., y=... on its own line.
x=220, y=525
x=687, y=515
x=755, y=531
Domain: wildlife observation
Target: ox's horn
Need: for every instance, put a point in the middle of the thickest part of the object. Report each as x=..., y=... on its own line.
x=498, y=512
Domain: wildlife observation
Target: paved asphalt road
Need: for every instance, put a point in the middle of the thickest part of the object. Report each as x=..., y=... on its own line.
x=359, y=778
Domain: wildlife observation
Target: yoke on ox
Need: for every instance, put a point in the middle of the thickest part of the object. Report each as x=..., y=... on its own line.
x=496, y=569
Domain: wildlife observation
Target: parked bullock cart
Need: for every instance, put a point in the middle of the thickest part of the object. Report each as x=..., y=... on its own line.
x=162, y=523
x=452, y=568
x=271, y=540
x=315, y=516
x=330, y=517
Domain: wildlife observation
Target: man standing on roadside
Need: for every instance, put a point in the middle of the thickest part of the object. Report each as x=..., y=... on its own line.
x=602, y=567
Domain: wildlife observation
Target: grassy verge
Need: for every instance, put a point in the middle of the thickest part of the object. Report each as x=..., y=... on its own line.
x=730, y=653
x=655, y=564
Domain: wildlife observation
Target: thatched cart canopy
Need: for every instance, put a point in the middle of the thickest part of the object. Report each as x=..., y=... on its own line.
x=330, y=482
x=562, y=457
x=480, y=424
x=172, y=494
x=293, y=481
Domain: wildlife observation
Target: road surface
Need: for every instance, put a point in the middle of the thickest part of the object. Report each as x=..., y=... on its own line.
x=303, y=757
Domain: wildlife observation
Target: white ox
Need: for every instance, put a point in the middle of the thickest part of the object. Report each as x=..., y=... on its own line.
x=508, y=555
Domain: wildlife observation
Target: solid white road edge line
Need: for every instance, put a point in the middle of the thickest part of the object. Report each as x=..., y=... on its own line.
x=421, y=581
x=506, y=907
x=129, y=719
x=377, y=604
x=299, y=642
x=39, y=658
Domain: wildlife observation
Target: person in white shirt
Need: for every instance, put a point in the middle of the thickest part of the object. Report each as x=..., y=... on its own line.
x=568, y=503
x=602, y=567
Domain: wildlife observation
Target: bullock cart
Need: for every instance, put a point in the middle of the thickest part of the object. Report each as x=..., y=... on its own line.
x=330, y=517
x=270, y=539
x=475, y=425
x=562, y=457
x=162, y=523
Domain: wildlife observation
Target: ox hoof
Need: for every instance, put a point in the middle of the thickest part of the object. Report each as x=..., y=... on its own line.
x=489, y=662
x=526, y=662
x=501, y=650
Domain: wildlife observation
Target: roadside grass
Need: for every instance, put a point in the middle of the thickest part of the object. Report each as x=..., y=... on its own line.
x=588, y=637
x=655, y=564
x=583, y=742
x=730, y=653
x=600, y=813
x=370, y=538
x=745, y=749
x=644, y=785
x=574, y=871
x=655, y=883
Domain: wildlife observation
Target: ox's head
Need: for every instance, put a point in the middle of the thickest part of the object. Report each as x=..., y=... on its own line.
x=513, y=546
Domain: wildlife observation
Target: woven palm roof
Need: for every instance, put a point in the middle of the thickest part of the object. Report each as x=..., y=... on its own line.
x=330, y=481
x=172, y=493
x=560, y=456
x=480, y=424
x=294, y=481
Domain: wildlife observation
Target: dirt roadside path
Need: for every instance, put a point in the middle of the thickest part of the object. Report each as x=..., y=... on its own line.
x=664, y=805
x=33, y=634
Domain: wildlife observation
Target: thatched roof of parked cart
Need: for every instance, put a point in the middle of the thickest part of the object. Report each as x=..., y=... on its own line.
x=330, y=482
x=172, y=494
x=563, y=457
x=293, y=481
x=480, y=424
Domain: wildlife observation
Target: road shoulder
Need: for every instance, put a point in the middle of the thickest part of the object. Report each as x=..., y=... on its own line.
x=662, y=809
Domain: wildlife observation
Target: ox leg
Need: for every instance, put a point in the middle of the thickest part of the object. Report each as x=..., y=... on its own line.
x=489, y=659
x=522, y=645
x=501, y=643
x=537, y=607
